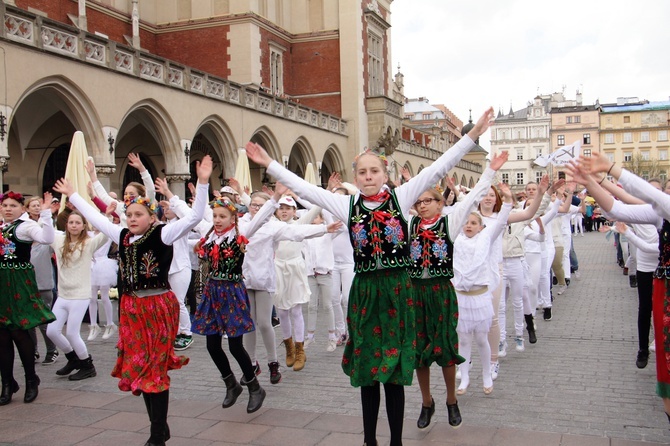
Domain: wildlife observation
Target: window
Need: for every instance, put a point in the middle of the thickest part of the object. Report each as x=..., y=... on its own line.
x=519, y=179
x=519, y=154
x=375, y=70
x=627, y=156
x=538, y=176
x=610, y=156
x=662, y=135
x=538, y=152
x=568, y=119
x=645, y=175
x=587, y=152
x=663, y=155
x=578, y=119
x=626, y=119
x=609, y=138
x=561, y=140
x=645, y=155
x=644, y=137
x=587, y=138
x=628, y=137
x=663, y=175
x=276, y=71
x=505, y=178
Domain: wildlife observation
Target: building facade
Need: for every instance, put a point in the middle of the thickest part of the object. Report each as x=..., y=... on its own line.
x=174, y=80
x=634, y=133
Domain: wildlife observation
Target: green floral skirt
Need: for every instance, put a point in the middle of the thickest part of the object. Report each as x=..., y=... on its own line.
x=21, y=306
x=381, y=323
x=436, y=319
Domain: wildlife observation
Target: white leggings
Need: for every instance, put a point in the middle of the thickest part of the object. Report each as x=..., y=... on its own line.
x=513, y=284
x=285, y=317
x=321, y=286
x=106, y=305
x=544, y=298
x=260, y=307
x=537, y=264
x=179, y=283
x=70, y=311
x=343, y=276
x=465, y=350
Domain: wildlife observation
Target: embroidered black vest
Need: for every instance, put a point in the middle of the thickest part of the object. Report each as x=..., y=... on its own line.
x=225, y=260
x=663, y=268
x=431, y=249
x=379, y=236
x=145, y=263
x=14, y=253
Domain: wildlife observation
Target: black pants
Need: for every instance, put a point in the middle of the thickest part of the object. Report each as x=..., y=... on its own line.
x=644, y=293
x=236, y=349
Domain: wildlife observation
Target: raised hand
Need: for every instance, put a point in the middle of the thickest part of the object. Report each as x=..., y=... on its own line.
x=333, y=227
x=162, y=187
x=556, y=186
x=134, y=160
x=267, y=190
x=597, y=162
x=45, y=203
x=505, y=192
x=64, y=187
x=499, y=160
x=111, y=207
x=544, y=184
x=90, y=168
x=482, y=125
x=577, y=173
x=232, y=182
x=258, y=154
x=404, y=171
x=335, y=180
x=204, y=169
x=191, y=188
x=90, y=190
x=280, y=190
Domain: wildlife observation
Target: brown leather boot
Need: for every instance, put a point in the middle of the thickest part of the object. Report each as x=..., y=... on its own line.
x=300, y=357
x=290, y=352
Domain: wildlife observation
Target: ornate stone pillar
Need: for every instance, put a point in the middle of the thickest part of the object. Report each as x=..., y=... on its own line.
x=136, y=25
x=103, y=172
x=82, y=15
x=177, y=183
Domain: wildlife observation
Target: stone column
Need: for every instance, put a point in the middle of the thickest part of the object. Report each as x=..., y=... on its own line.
x=136, y=25
x=4, y=166
x=103, y=172
x=177, y=183
x=82, y=22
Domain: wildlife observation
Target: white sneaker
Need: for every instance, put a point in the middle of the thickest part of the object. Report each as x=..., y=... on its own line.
x=519, y=344
x=502, y=349
x=94, y=332
x=309, y=340
x=332, y=345
x=495, y=368
x=652, y=346
x=577, y=275
x=561, y=289
x=109, y=331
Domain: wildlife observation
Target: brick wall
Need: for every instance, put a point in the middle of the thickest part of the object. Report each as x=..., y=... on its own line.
x=205, y=49
x=315, y=69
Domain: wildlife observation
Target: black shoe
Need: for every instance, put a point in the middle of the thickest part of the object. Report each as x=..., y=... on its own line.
x=632, y=281
x=256, y=394
x=530, y=326
x=567, y=282
x=426, y=415
x=37, y=355
x=275, y=322
x=31, y=389
x=642, y=359
x=8, y=389
x=86, y=370
x=455, y=419
x=546, y=315
x=554, y=280
x=50, y=358
x=233, y=390
x=275, y=374
x=72, y=364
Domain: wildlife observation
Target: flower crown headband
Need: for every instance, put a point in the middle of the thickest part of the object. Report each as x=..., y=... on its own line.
x=141, y=200
x=13, y=195
x=223, y=203
x=381, y=156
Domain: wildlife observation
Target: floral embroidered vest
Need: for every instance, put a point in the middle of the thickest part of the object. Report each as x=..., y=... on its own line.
x=225, y=259
x=431, y=249
x=663, y=269
x=144, y=263
x=14, y=253
x=379, y=236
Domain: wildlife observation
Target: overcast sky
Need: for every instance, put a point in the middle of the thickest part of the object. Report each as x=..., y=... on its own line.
x=472, y=54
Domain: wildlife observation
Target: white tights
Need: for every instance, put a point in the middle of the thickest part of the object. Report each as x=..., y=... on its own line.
x=260, y=307
x=285, y=317
x=106, y=305
x=70, y=311
x=465, y=350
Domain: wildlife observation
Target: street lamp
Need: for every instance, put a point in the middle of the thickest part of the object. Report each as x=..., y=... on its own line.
x=110, y=140
x=3, y=124
x=187, y=152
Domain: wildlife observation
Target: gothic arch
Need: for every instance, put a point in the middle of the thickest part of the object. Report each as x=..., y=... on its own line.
x=264, y=137
x=333, y=162
x=213, y=137
x=301, y=155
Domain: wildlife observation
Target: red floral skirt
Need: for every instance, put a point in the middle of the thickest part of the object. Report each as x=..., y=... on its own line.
x=661, y=318
x=147, y=331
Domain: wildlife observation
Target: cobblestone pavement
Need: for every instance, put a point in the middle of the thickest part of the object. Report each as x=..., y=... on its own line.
x=577, y=386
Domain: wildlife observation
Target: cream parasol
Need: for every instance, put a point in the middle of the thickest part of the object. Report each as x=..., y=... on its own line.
x=310, y=176
x=242, y=172
x=75, y=170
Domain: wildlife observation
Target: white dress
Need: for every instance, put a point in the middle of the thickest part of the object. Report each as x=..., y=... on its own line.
x=104, y=271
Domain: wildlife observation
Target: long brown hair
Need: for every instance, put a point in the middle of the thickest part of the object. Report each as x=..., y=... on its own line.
x=498, y=205
x=73, y=244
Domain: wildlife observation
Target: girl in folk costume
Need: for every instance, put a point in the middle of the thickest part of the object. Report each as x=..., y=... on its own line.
x=660, y=205
x=149, y=312
x=260, y=277
x=74, y=250
x=472, y=251
x=224, y=308
x=431, y=252
x=382, y=339
x=21, y=307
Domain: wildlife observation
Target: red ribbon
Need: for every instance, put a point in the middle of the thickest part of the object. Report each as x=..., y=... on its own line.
x=380, y=216
x=379, y=198
x=430, y=221
x=428, y=234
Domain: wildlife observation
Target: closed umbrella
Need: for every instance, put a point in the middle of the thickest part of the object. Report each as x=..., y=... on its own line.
x=310, y=176
x=75, y=170
x=242, y=172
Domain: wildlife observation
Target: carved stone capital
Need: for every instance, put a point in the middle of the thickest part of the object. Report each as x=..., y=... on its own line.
x=4, y=163
x=178, y=177
x=105, y=170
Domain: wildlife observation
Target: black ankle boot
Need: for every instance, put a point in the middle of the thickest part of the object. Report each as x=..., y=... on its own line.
x=455, y=419
x=233, y=390
x=86, y=370
x=31, y=389
x=8, y=389
x=256, y=395
x=72, y=364
x=530, y=325
x=426, y=415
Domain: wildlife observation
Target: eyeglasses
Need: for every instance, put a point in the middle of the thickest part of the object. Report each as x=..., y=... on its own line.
x=255, y=206
x=427, y=201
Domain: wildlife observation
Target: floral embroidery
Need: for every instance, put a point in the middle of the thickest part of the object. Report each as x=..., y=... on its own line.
x=359, y=235
x=440, y=249
x=393, y=231
x=415, y=250
x=7, y=247
x=149, y=265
